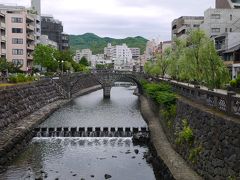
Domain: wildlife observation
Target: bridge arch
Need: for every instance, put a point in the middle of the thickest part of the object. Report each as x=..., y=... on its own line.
x=107, y=81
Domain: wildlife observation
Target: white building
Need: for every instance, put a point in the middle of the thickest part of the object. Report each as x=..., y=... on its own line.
x=121, y=56
x=87, y=53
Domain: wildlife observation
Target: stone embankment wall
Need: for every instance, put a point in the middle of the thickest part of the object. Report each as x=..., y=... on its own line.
x=19, y=101
x=214, y=149
x=23, y=107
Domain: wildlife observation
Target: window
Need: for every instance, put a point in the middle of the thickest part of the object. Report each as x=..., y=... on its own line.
x=17, y=51
x=196, y=25
x=215, y=30
x=215, y=16
x=230, y=30
x=17, y=41
x=17, y=20
x=17, y=61
x=230, y=17
x=225, y=29
x=17, y=30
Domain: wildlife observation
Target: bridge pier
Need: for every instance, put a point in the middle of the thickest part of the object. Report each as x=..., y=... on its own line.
x=106, y=92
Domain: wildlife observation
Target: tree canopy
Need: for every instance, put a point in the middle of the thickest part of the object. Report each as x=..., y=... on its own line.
x=193, y=59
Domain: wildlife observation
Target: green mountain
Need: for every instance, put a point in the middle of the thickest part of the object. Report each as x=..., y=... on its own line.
x=97, y=44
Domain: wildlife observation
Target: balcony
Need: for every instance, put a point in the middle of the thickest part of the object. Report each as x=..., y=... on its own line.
x=3, y=38
x=30, y=37
x=29, y=57
x=30, y=18
x=3, y=51
x=30, y=27
x=30, y=47
x=3, y=25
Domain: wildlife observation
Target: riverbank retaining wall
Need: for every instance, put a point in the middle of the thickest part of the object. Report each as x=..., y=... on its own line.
x=24, y=107
x=213, y=149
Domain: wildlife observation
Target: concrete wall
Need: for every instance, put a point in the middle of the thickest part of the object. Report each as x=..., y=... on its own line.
x=215, y=134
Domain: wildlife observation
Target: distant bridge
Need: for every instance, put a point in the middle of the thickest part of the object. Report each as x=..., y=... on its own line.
x=72, y=82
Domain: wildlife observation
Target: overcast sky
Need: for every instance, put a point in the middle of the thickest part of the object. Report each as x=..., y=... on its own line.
x=120, y=18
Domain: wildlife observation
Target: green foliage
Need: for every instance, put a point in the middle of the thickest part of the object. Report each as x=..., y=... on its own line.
x=19, y=78
x=9, y=66
x=192, y=59
x=84, y=61
x=97, y=44
x=186, y=135
x=45, y=57
x=231, y=178
x=165, y=98
x=169, y=114
x=160, y=93
x=233, y=83
x=194, y=153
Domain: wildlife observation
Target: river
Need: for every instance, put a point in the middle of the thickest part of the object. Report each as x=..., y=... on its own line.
x=87, y=157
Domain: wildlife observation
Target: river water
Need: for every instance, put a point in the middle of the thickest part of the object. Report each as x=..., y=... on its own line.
x=87, y=157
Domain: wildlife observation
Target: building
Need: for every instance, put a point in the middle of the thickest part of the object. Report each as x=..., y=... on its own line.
x=227, y=4
x=36, y=9
x=107, y=51
x=150, y=49
x=65, y=41
x=46, y=41
x=228, y=47
x=36, y=5
x=3, y=36
x=121, y=57
x=20, y=25
x=135, y=53
x=87, y=53
x=184, y=24
x=219, y=21
x=53, y=28
x=164, y=45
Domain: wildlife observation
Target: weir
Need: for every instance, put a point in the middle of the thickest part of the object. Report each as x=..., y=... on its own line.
x=89, y=131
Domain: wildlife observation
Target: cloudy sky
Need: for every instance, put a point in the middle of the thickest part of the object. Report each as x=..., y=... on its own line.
x=120, y=18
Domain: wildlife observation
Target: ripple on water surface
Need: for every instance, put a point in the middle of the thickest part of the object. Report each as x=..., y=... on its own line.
x=76, y=158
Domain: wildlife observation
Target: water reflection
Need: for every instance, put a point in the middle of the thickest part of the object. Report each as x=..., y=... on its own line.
x=82, y=157
x=91, y=110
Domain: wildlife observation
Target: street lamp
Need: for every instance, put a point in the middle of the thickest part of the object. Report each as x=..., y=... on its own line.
x=62, y=66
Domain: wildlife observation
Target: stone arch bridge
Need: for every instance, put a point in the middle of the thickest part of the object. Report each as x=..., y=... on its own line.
x=72, y=83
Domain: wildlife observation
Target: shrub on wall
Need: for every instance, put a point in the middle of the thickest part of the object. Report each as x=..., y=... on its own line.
x=19, y=78
x=161, y=93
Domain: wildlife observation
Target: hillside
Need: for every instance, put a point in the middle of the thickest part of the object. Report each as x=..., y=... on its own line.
x=97, y=44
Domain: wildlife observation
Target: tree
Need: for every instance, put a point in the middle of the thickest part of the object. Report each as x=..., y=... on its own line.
x=84, y=61
x=9, y=66
x=44, y=56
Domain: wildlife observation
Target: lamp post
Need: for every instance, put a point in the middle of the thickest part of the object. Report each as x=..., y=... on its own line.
x=62, y=66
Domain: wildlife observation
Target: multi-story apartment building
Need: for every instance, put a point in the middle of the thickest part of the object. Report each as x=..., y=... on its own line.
x=54, y=29
x=2, y=36
x=121, y=57
x=20, y=35
x=227, y=4
x=182, y=25
x=65, y=42
x=107, y=51
x=87, y=53
x=228, y=47
x=219, y=21
x=135, y=53
x=151, y=48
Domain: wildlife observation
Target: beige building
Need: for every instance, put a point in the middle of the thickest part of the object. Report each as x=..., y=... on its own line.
x=2, y=36
x=184, y=24
x=20, y=31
